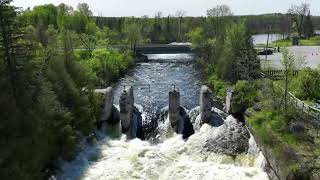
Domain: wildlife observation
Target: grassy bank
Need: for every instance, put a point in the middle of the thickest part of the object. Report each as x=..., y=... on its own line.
x=313, y=41
x=288, y=133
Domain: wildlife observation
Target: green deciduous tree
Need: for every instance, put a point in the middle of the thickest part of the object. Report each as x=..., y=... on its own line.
x=133, y=33
x=289, y=65
x=238, y=60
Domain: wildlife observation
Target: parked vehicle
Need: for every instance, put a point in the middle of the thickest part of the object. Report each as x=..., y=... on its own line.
x=265, y=52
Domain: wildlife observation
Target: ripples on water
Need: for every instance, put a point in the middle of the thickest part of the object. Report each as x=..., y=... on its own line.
x=152, y=82
x=173, y=159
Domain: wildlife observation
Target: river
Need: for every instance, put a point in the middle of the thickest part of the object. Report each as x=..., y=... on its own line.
x=174, y=158
x=152, y=81
x=260, y=39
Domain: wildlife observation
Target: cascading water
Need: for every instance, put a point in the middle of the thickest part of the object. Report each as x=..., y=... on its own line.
x=174, y=157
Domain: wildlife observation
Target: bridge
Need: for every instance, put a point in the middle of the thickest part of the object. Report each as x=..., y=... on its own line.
x=163, y=49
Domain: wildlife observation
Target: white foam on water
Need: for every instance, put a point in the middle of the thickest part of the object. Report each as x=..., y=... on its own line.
x=171, y=57
x=175, y=158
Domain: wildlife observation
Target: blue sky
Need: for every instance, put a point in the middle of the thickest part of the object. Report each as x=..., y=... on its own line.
x=192, y=7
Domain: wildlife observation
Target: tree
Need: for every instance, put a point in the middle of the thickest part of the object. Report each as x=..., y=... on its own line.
x=218, y=15
x=289, y=65
x=298, y=14
x=308, y=26
x=8, y=38
x=180, y=14
x=284, y=26
x=197, y=38
x=133, y=31
x=169, y=32
x=156, y=32
x=84, y=9
x=238, y=60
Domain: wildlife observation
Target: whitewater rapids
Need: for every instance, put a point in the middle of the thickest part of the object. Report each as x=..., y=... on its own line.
x=173, y=159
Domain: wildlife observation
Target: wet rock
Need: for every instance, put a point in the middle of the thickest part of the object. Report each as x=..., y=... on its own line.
x=298, y=129
x=185, y=126
x=137, y=122
x=142, y=58
x=216, y=118
x=232, y=106
x=231, y=138
x=257, y=107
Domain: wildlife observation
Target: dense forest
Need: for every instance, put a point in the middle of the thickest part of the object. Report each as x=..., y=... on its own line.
x=49, y=69
x=168, y=29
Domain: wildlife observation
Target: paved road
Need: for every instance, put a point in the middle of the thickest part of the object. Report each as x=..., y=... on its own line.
x=310, y=53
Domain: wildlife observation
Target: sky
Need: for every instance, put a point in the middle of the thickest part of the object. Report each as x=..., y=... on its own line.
x=139, y=8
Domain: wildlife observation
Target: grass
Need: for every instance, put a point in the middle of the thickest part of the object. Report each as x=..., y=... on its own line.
x=272, y=129
x=271, y=126
x=313, y=41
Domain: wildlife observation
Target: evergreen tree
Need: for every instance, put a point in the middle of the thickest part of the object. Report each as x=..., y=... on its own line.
x=308, y=27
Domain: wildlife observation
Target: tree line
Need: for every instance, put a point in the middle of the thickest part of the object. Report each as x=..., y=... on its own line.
x=160, y=29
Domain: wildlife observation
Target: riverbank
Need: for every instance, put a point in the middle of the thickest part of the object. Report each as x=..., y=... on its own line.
x=288, y=138
x=313, y=41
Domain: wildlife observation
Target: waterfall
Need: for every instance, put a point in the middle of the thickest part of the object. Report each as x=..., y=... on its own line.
x=201, y=156
x=174, y=158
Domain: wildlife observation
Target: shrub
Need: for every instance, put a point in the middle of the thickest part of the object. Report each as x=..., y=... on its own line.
x=218, y=85
x=307, y=84
x=245, y=93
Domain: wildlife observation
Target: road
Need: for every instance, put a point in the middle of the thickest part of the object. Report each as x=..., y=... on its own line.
x=311, y=55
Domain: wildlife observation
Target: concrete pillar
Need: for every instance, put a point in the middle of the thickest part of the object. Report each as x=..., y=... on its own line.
x=174, y=107
x=108, y=104
x=126, y=104
x=228, y=99
x=205, y=104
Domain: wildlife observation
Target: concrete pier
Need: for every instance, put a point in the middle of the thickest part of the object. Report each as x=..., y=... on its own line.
x=108, y=104
x=174, y=107
x=126, y=104
x=205, y=104
x=227, y=107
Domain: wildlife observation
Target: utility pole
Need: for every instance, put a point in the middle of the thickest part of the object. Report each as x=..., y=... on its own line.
x=267, y=43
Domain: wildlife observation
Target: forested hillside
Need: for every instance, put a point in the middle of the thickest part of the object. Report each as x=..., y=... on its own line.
x=48, y=70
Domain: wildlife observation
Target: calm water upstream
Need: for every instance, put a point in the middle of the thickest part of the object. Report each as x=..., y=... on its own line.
x=262, y=38
x=174, y=158
x=153, y=80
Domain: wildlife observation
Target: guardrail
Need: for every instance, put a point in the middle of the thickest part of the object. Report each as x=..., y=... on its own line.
x=306, y=108
x=277, y=74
